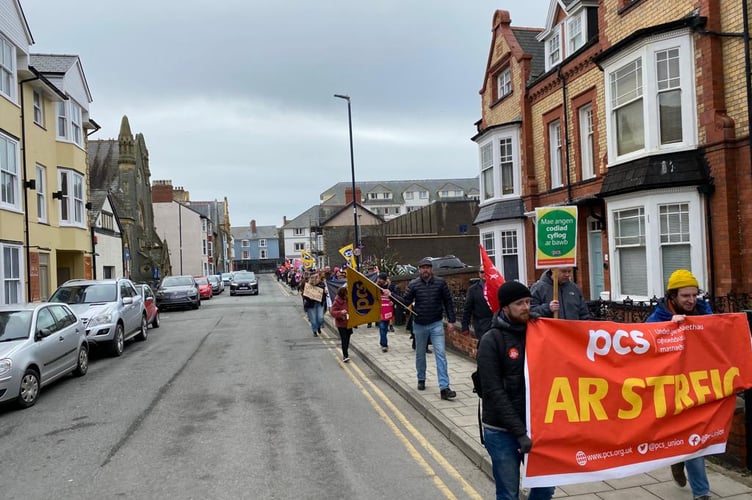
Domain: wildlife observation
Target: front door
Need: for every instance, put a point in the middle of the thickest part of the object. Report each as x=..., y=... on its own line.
x=595, y=254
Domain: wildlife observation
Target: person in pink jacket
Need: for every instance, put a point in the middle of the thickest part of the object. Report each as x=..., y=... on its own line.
x=338, y=311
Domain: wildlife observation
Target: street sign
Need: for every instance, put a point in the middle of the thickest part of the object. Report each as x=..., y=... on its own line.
x=556, y=237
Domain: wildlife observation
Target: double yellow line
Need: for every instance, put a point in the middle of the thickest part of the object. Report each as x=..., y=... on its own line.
x=367, y=388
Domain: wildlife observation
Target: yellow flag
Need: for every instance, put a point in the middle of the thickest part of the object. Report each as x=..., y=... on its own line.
x=307, y=258
x=347, y=253
x=363, y=299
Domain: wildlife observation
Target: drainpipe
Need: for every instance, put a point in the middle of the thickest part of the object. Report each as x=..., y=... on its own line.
x=747, y=73
x=566, y=133
x=26, y=186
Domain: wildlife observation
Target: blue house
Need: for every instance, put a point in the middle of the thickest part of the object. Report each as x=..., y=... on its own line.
x=256, y=248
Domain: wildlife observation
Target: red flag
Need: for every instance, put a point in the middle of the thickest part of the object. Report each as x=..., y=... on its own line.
x=493, y=280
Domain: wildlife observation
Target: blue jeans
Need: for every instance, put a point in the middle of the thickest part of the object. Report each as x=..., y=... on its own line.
x=315, y=316
x=436, y=332
x=383, y=329
x=697, y=477
x=505, y=460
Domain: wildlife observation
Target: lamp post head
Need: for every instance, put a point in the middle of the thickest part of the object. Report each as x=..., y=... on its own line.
x=342, y=96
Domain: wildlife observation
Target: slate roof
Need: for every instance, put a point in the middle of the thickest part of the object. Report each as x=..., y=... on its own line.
x=530, y=45
x=685, y=168
x=96, y=198
x=501, y=210
x=313, y=217
x=103, y=164
x=52, y=63
x=335, y=195
x=262, y=232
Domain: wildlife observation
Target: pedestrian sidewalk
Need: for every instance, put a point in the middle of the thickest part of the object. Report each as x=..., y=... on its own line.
x=458, y=421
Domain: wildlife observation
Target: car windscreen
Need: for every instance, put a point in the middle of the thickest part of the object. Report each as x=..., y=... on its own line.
x=14, y=325
x=177, y=281
x=85, y=294
x=244, y=276
x=202, y=281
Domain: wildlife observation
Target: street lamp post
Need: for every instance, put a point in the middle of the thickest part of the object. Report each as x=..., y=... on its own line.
x=356, y=244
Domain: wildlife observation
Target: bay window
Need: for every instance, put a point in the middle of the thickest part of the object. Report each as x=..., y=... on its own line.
x=72, y=200
x=650, y=99
x=10, y=180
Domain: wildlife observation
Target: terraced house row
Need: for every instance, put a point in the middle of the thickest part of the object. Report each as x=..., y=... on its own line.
x=635, y=111
x=44, y=122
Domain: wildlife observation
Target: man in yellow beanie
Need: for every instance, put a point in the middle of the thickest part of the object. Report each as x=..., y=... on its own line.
x=681, y=301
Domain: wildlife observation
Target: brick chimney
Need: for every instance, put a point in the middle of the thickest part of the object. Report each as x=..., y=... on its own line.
x=284, y=220
x=349, y=198
x=253, y=226
x=161, y=191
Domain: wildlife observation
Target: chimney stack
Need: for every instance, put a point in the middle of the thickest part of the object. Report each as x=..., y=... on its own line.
x=349, y=198
x=253, y=226
x=161, y=191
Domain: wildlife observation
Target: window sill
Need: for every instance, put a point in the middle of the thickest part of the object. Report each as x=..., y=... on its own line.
x=500, y=100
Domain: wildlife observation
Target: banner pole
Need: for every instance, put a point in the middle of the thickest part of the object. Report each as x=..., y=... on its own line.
x=555, y=278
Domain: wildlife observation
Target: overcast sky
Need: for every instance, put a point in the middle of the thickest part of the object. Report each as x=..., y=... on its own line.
x=235, y=97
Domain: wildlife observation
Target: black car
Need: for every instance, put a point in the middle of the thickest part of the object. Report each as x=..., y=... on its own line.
x=244, y=282
x=178, y=292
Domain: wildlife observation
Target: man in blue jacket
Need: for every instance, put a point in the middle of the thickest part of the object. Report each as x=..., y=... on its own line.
x=432, y=297
x=681, y=301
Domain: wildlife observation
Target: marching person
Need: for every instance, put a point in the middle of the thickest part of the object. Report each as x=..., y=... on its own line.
x=679, y=302
x=502, y=379
x=387, y=310
x=432, y=297
x=476, y=308
x=338, y=311
x=571, y=303
x=314, y=309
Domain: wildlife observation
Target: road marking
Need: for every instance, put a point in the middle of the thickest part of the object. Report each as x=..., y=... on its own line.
x=359, y=376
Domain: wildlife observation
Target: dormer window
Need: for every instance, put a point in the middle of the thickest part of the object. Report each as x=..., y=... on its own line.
x=503, y=84
x=554, y=48
x=575, y=38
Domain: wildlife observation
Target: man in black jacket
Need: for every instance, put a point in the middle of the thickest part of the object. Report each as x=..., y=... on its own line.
x=476, y=308
x=432, y=297
x=501, y=367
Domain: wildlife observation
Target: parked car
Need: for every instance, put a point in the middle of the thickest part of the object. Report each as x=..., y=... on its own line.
x=178, y=291
x=111, y=310
x=39, y=343
x=217, y=285
x=244, y=282
x=447, y=262
x=150, y=304
x=204, y=287
x=226, y=279
x=405, y=269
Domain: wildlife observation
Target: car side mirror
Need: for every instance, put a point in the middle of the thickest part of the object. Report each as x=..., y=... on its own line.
x=42, y=333
x=127, y=300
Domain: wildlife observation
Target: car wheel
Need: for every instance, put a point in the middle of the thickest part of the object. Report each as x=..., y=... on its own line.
x=82, y=366
x=232, y=294
x=29, y=391
x=118, y=343
x=155, y=321
x=144, y=327
x=197, y=304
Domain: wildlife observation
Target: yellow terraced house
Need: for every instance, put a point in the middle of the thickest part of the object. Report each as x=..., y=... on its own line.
x=45, y=237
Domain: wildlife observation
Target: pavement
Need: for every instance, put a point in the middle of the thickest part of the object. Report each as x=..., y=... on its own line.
x=458, y=421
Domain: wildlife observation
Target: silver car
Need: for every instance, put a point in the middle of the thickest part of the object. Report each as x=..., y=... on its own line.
x=39, y=343
x=112, y=310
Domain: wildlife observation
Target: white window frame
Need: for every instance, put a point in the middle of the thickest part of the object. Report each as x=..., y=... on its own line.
x=646, y=53
x=487, y=183
x=71, y=183
x=492, y=239
x=553, y=48
x=15, y=281
x=423, y=195
x=554, y=146
x=263, y=253
x=38, y=100
x=41, y=189
x=10, y=174
x=62, y=122
x=651, y=204
x=262, y=243
x=510, y=137
x=246, y=255
x=504, y=83
x=8, y=77
x=575, y=33
x=587, y=141
x=76, y=123
x=245, y=243
x=409, y=195
x=298, y=246
x=299, y=231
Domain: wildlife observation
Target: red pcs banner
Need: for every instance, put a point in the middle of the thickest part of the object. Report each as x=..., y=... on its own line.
x=608, y=400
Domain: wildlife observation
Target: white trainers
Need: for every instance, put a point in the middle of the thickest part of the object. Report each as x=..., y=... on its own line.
x=345, y=360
